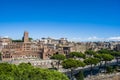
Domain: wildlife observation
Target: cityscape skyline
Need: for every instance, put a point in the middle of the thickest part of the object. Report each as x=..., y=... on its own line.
x=78, y=20
x=91, y=39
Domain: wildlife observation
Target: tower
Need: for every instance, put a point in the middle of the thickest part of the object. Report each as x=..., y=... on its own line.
x=26, y=37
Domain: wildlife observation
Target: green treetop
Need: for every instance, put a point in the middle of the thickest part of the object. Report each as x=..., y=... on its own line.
x=76, y=54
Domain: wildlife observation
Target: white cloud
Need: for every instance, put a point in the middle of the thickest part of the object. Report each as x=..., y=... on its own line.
x=93, y=38
x=114, y=38
x=75, y=39
x=5, y=37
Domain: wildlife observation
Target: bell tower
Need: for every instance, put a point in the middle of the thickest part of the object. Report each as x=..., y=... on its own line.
x=26, y=37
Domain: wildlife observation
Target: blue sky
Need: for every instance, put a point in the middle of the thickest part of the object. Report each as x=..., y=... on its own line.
x=75, y=19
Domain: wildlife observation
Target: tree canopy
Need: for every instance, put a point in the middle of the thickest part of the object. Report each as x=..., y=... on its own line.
x=104, y=51
x=115, y=54
x=17, y=40
x=71, y=63
x=89, y=52
x=107, y=57
x=90, y=61
x=25, y=71
x=99, y=56
x=58, y=57
x=76, y=54
x=30, y=39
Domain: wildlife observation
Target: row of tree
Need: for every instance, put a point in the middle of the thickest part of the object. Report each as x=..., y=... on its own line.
x=90, y=57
